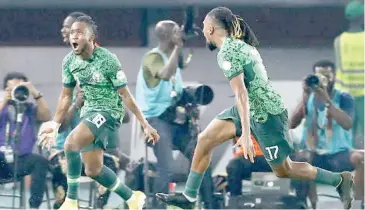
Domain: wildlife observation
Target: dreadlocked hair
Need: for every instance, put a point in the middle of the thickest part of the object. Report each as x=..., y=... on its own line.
x=235, y=25
x=75, y=15
x=91, y=23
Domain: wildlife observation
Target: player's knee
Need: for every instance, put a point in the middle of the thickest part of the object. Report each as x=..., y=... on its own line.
x=282, y=173
x=92, y=170
x=70, y=144
x=204, y=141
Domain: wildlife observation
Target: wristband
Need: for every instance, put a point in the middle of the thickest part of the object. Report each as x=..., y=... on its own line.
x=40, y=95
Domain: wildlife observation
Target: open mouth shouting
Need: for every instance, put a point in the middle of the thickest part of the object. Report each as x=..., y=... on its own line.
x=75, y=46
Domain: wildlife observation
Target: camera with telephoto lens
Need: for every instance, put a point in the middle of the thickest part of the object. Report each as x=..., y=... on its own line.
x=186, y=104
x=316, y=81
x=20, y=94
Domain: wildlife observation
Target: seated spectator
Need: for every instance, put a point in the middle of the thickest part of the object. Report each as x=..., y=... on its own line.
x=27, y=162
x=239, y=169
x=58, y=161
x=328, y=114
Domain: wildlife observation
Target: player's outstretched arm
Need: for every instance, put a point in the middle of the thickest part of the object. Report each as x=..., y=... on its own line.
x=48, y=131
x=241, y=96
x=130, y=102
x=242, y=103
x=119, y=81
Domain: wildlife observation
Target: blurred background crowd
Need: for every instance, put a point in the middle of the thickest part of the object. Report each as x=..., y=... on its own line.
x=298, y=39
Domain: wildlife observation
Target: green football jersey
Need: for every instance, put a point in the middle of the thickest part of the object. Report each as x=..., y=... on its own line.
x=236, y=57
x=99, y=77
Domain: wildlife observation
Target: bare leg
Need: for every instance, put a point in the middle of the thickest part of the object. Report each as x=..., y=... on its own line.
x=80, y=137
x=93, y=161
x=357, y=160
x=217, y=132
x=295, y=170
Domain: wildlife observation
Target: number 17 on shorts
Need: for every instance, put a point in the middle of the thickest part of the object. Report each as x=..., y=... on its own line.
x=272, y=153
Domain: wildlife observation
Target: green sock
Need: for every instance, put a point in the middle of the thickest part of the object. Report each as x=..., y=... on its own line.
x=193, y=184
x=328, y=177
x=73, y=173
x=109, y=179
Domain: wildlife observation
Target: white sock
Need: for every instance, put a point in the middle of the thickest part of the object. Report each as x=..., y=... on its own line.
x=132, y=198
x=189, y=198
x=71, y=200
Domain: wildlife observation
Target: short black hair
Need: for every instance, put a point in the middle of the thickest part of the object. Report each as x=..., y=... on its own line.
x=88, y=20
x=75, y=15
x=324, y=63
x=14, y=75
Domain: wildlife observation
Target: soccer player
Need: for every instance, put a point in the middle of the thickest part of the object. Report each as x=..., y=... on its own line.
x=71, y=120
x=258, y=108
x=66, y=25
x=104, y=84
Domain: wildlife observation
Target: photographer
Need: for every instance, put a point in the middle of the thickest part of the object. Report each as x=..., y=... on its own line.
x=327, y=136
x=159, y=87
x=22, y=145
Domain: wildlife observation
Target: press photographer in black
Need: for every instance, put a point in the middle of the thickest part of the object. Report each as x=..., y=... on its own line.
x=159, y=91
x=19, y=119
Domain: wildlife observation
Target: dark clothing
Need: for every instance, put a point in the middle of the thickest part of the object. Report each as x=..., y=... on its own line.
x=28, y=128
x=31, y=164
x=176, y=137
x=239, y=169
x=338, y=162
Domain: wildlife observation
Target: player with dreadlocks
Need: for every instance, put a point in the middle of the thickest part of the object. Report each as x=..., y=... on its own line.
x=259, y=108
x=99, y=74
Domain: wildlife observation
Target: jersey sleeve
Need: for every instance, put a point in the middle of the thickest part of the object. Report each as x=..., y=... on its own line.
x=68, y=79
x=116, y=75
x=231, y=63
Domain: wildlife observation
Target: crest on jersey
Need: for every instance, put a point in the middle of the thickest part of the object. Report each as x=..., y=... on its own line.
x=226, y=65
x=97, y=77
x=121, y=75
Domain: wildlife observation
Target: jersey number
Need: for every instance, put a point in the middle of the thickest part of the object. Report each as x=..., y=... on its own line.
x=273, y=152
x=98, y=120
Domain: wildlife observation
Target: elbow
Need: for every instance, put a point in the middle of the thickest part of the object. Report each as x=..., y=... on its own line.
x=165, y=75
x=292, y=125
x=348, y=125
x=242, y=95
x=295, y=121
